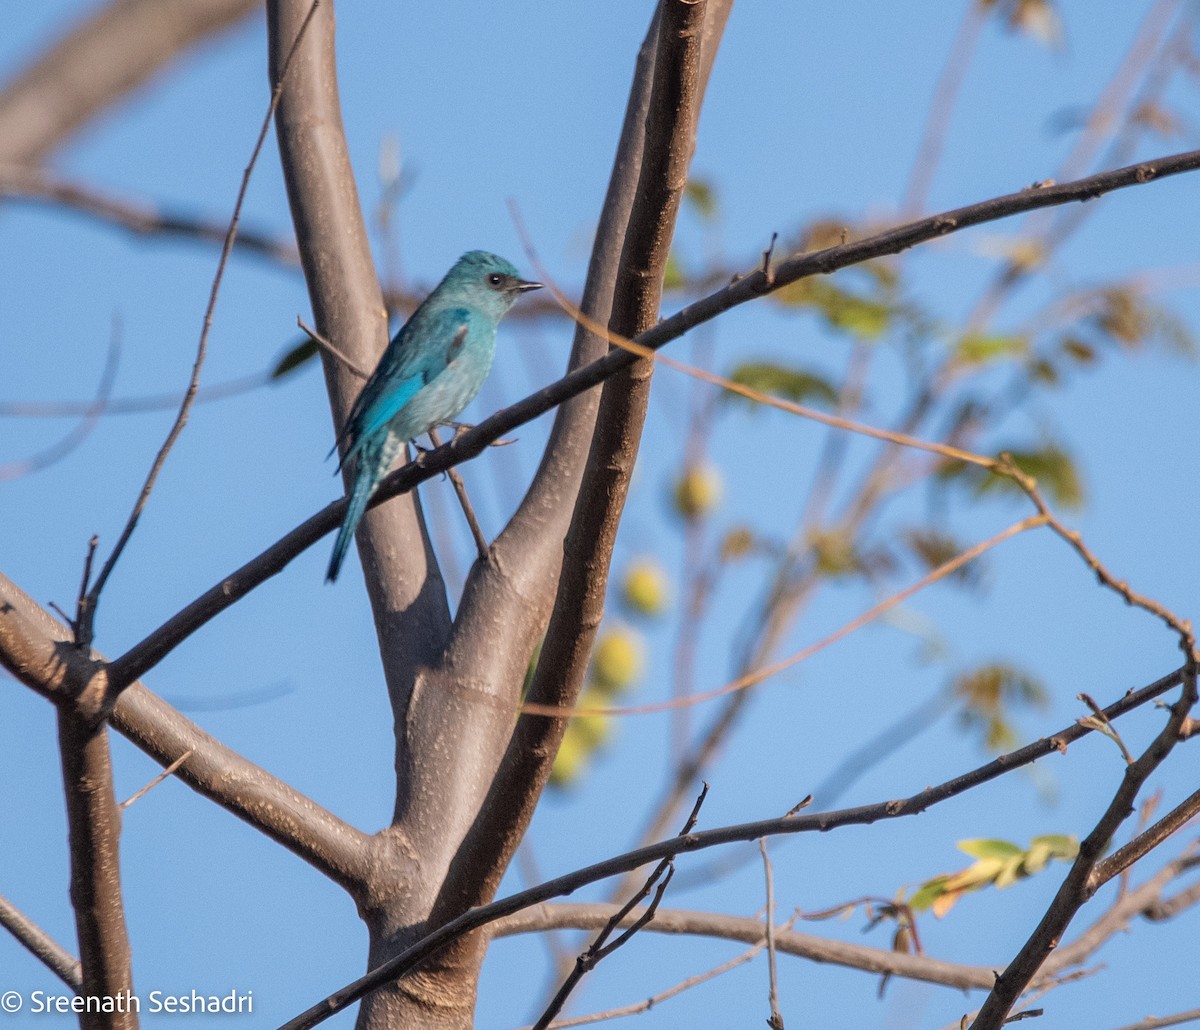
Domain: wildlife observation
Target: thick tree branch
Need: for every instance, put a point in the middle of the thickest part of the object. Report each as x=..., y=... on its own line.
x=94, y=831
x=98, y=62
x=38, y=651
x=754, y=285
x=484, y=915
x=407, y=594
x=670, y=132
x=41, y=945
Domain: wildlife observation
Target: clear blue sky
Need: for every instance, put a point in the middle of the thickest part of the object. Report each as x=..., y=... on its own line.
x=814, y=109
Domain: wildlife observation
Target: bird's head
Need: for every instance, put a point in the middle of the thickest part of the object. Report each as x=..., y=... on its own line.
x=486, y=281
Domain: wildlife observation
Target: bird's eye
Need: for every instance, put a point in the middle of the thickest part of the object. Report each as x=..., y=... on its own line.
x=495, y=279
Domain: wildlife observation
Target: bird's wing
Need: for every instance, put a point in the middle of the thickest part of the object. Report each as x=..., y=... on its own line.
x=425, y=345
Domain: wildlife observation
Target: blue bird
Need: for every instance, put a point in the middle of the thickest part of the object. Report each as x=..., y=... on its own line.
x=430, y=371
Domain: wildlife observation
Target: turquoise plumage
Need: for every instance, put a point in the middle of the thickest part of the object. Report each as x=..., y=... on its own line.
x=431, y=370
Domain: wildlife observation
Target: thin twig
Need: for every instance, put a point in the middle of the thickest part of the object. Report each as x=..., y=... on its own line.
x=329, y=348
x=1146, y=841
x=766, y=672
x=40, y=185
x=656, y=999
x=87, y=613
x=146, y=654
x=90, y=418
x=1187, y=640
x=460, y=489
x=1157, y=1022
x=937, y=120
x=1106, y=727
x=156, y=781
x=137, y=405
x=599, y=949
x=41, y=945
x=775, y=1020
x=414, y=956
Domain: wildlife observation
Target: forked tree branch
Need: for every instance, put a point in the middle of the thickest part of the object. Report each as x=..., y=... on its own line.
x=484, y=915
x=1081, y=882
x=670, y=133
x=162, y=641
x=38, y=650
x=408, y=597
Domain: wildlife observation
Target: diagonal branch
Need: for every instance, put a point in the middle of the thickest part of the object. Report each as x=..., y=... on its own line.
x=465, y=446
x=99, y=61
x=484, y=915
x=141, y=219
x=1082, y=881
x=85, y=617
x=37, y=650
x=41, y=945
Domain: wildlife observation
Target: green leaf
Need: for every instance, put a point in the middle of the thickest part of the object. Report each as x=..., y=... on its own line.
x=1051, y=466
x=934, y=548
x=1079, y=351
x=989, y=694
x=1055, y=472
x=702, y=197
x=1056, y=845
x=860, y=316
x=673, y=275
x=294, y=358
x=928, y=893
x=980, y=349
x=987, y=847
x=793, y=384
x=836, y=553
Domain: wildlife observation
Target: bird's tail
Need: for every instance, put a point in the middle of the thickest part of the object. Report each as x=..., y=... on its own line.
x=371, y=463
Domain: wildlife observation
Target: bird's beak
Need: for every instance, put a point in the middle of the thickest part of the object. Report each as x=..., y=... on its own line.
x=524, y=286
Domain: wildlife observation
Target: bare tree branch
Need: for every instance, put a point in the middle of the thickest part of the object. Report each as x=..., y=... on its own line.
x=775, y=1020
x=98, y=62
x=1157, y=1022
x=688, y=923
x=669, y=141
x=470, y=444
x=482, y=916
x=38, y=650
x=41, y=945
x=1081, y=882
x=91, y=416
x=86, y=615
x=94, y=831
x=600, y=949
x=40, y=186
x=408, y=596
x=1124, y=857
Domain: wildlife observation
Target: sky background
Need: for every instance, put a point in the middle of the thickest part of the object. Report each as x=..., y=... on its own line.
x=814, y=110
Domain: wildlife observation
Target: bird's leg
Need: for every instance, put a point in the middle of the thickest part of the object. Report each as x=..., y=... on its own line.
x=460, y=488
